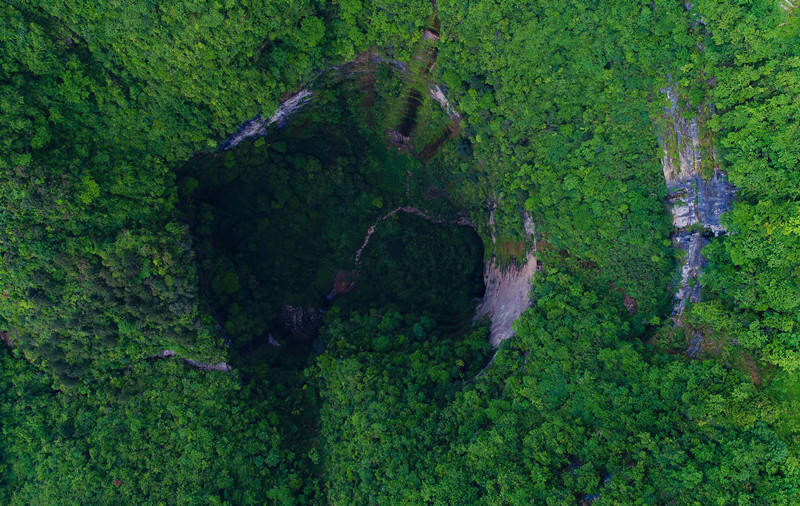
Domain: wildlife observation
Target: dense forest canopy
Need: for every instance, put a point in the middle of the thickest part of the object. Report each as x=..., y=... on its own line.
x=291, y=320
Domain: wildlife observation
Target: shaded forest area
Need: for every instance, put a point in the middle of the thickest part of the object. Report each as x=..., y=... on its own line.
x=124, y=233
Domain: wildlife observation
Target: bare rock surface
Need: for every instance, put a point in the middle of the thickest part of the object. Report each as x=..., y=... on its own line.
x=508, y=289
x=681, y=141
x=438, y=95
x=507, y=296
x=695, y=200
x=219, y=366
x=696, y=203
x=257, y=127
x=689, y=288
x=343, y=283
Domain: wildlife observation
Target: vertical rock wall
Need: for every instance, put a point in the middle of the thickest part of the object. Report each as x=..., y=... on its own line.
x=696, y=202
x=507, y=289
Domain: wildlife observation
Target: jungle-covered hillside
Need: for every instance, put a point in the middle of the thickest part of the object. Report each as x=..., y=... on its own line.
x=270, y=252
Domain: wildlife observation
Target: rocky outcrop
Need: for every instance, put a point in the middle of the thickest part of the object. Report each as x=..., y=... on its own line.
x=438, y=95
x=681, y=141
x=220, y=366
x=507, y=296
x=696, y=202
x=301, y=322
x=691, y=242
x=402, y=143
x=697, y=205
x=257, y=127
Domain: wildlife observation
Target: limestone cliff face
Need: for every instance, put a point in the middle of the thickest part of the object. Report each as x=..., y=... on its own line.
x=507, y=289
x=507, y=296
x=257, y=126
x=696, y=203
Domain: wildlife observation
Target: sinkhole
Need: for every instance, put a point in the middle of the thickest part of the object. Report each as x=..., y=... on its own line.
x=343, y=208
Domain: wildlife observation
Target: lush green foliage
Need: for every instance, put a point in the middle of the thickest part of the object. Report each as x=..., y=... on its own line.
x=384, y=380
x=122, y=235
x=561, y=97
x=756, y=270
x=570, y=407
x=274, y=221
x=420, y=267
x=161, y=431
x=98, y=102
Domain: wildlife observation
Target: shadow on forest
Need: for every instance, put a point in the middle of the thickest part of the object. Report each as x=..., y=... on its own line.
x=276, y=223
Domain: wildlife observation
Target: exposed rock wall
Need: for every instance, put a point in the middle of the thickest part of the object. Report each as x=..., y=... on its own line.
x=258, y=126
x=507, y=289
x=696, y=203
x=681, y=141
x=438, y=95
x=220, y=366
x=507, y=296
